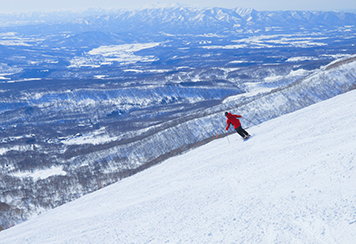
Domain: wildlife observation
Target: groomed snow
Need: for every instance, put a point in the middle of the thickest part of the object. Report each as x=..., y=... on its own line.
x=292, y=182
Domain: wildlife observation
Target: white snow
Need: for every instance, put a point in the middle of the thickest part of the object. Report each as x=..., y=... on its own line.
x=337, y=57
x=252, y=89
x=41, y=174
x=270, y=41
x=115, y=50
x=15, y=39
x=292, y=182
x=106, y=55
x=304, y=58
x=147, y=70
x=22, y=148
x=96, y=137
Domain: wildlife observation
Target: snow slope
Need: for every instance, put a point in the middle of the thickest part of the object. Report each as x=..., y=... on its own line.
x=292, y=182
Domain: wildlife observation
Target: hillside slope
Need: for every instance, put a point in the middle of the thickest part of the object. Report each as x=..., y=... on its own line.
x=293, y=181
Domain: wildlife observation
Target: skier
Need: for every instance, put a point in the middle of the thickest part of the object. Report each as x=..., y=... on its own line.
x=233, y=119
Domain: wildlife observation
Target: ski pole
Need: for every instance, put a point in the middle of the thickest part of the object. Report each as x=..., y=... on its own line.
x=228, y=138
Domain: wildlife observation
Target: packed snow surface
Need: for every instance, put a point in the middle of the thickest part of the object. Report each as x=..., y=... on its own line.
x=292, y=182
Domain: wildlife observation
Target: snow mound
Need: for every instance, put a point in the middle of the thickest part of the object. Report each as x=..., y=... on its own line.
x=292, y=182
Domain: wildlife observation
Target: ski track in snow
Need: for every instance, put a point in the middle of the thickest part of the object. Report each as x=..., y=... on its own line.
x=292, y=182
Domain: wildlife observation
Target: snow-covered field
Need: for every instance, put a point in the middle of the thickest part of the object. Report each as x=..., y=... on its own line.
x=42, y=174
x=292, y=182
x=106, y=55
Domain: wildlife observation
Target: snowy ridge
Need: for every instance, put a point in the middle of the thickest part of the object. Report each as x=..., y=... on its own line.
x=104, y=153
x=320, y=85
x=293, y=181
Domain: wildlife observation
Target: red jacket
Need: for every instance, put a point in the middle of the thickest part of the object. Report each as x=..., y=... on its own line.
x=233, y=119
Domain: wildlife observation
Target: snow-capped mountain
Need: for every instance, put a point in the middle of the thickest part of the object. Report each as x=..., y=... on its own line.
x=293, y=181
x=161, y=17
x=55, y=45
x=87, y=100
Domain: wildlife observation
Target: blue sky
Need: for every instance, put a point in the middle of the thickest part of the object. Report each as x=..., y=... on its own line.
x=10, y=6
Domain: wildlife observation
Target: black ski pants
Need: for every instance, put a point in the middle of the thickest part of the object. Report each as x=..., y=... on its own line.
x=241, y=132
